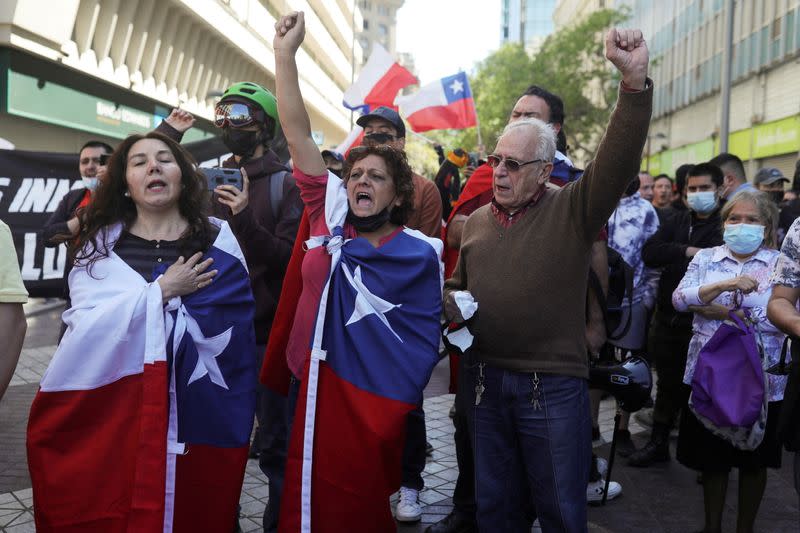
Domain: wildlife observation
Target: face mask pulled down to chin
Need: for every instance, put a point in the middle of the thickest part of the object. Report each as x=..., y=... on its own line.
x=90, y=183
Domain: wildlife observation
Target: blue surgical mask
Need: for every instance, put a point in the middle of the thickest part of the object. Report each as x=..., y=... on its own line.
x=743, y=239
x=90, y=183
x=702, y=202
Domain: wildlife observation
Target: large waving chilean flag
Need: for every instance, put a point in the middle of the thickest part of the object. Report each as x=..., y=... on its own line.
x=374, y=349
x=444, y=104
x=143, y=417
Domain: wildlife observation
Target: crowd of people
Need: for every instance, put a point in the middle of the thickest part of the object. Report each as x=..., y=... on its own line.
x=335, y=275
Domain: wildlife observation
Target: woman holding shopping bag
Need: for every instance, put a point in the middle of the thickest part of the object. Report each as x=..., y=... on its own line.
x=735, y=276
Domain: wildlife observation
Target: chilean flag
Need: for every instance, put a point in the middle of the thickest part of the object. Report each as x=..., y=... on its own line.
x=143, y=418
x=444, y=104
x=380, y=80
x=375, y=345
x=353, y=138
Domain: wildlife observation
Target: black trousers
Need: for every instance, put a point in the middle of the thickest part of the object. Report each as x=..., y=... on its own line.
x=414, y=450
x=668, y=349
x=464, y=493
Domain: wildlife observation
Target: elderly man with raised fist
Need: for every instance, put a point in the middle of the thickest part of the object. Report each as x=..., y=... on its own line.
x=528, y=363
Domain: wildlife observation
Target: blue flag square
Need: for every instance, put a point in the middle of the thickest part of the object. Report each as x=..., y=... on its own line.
x=456, y=87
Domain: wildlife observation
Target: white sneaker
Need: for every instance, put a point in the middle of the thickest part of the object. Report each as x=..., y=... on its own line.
x=408, y=508
x=595, y=489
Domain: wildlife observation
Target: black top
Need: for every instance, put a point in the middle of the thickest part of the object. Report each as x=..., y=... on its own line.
x=57, y=223
x=266, y=238
x=151, y=258
x=667, y=250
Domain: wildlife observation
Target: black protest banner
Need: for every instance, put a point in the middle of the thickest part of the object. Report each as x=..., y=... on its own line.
x=31, y=186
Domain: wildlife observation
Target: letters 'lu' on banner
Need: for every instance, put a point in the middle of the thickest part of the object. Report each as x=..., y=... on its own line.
x=380, y=80
x=444, y=104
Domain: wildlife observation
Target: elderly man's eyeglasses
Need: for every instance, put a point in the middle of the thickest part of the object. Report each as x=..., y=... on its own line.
x=511, y=164
x=235, y=114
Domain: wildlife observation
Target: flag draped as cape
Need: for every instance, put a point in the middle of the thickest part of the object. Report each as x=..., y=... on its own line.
x=375, y=344
x=143, y=418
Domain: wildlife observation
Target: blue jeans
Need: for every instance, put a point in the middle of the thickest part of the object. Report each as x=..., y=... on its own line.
x=550, y=441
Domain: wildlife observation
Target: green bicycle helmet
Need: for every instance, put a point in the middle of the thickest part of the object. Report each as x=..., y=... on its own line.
x=256, y=94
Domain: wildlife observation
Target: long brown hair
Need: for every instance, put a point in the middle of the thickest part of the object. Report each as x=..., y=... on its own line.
x=110, y=205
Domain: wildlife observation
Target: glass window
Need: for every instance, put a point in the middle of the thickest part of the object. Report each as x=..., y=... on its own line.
x=796, y=31
x=383, y=10
x=789, y=40
x=775, y=45
x=366, y=24
x=366, y=5
x=739, y=56
x=763, y=47
x=383, y=31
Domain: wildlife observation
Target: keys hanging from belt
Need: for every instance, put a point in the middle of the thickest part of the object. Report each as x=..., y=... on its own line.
x=479, y=388
x=536, y=392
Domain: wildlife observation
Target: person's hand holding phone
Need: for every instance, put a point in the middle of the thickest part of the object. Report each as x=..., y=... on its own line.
x=234, y=198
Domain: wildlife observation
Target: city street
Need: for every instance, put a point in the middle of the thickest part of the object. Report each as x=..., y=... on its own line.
x=662, y=499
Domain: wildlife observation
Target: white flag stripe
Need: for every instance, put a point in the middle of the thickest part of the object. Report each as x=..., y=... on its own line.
x=378, y=64
x=115, y=314
x=348, y=142
x=431, y=95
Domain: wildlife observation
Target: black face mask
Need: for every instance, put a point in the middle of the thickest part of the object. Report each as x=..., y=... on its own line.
x=370, y=223
x=336, y=172
x=376, y=139
x=240, y=142
x=776, y=196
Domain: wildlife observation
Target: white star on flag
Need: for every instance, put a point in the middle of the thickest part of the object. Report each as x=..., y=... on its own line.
x=366, y=302
x=208, y=349
x=457, y=86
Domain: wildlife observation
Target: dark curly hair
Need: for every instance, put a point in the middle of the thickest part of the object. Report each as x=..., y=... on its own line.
x=397, y=165
x=110, y=205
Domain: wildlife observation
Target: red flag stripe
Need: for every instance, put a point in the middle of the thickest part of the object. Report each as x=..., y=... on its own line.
x=460, y=114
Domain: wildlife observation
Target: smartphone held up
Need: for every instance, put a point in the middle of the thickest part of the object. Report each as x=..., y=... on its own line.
x=223, y=176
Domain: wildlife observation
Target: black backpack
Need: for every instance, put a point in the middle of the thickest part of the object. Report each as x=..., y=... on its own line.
x=620, y=295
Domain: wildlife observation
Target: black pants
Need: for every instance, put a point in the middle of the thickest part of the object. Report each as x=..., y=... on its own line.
x=669, y=346
x=414, y=450
x=273, y=445
x=464, y=493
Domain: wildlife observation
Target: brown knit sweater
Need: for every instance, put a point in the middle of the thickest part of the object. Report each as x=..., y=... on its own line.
x=530, y=279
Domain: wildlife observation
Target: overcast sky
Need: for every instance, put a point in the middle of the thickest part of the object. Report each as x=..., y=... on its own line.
x=446, y=36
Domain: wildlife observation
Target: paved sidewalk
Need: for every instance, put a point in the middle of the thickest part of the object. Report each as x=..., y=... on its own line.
x=662, y=499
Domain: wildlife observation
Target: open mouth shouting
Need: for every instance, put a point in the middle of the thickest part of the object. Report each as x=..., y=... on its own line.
x=364, y=200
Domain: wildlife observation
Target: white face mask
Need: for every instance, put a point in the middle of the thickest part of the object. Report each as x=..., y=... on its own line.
x=90, y=183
